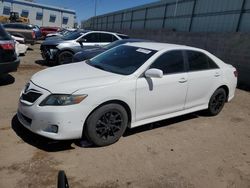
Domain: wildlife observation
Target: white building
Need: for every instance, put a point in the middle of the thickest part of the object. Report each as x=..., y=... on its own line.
x=39, y=14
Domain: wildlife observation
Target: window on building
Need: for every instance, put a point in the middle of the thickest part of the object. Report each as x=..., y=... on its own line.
x=6, y=10
x=39, y=16
x=52, y=18
x=25, y=13
x=65, y=20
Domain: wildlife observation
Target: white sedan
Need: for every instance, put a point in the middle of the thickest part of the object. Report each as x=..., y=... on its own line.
x=127, y=86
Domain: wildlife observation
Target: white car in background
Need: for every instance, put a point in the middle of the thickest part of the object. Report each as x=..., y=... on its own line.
x=126, y=86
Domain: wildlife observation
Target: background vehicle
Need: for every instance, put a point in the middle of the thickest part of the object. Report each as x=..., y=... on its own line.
x=8, y=58
x=22, y=30
x=62, y=49
x=47, y=30
x=89, y=53
x=14, y=17
x=37, y=31
x=62, y=32
x=127, y=86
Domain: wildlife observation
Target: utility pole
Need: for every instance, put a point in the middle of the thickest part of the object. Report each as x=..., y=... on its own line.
x=95, y=7
x=176, y=6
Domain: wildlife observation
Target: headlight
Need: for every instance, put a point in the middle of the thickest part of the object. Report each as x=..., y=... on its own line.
x=62, y=100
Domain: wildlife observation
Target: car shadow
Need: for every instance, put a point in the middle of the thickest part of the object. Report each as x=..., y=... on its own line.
x=6, y=80
x=44, y=63
x=49, y=145
x=160, y=124
x=39, y=141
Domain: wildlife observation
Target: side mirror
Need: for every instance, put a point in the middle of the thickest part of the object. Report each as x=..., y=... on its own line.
x=82, y=40
x=154, y=73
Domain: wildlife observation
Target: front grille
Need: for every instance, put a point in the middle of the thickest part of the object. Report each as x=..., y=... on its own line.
x=31, y=96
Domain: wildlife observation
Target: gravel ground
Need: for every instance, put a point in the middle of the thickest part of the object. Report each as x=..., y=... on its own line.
x=190, y=151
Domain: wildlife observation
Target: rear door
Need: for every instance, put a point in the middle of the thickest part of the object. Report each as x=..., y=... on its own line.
x=204, y=77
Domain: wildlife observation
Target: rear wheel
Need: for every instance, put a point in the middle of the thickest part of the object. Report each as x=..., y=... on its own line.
x=217, y=102
x=106, y=125
x=65, y=57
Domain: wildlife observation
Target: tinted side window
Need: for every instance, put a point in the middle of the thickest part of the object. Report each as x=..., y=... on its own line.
x=199, y=61
x=104, y=37
x=170, y=62
x=92, y=37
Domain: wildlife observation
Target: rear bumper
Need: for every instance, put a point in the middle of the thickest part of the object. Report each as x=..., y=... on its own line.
x=9, y=66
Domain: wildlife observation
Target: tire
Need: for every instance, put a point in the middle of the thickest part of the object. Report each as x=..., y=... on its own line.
x=106, y=124
x=62, y=181
x=216, y=102
x=65, y=57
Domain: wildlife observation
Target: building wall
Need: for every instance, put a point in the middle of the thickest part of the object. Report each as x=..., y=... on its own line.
x=186, y=15
x=17, y=6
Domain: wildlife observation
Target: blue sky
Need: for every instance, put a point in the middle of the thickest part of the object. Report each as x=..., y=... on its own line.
x=85, y=8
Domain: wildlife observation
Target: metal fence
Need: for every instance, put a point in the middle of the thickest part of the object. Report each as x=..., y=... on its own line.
x=179, y=15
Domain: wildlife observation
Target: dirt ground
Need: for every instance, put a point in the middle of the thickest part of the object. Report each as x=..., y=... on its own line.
x=191, y=151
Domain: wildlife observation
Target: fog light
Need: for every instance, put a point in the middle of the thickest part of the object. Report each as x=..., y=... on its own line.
x=52, y=129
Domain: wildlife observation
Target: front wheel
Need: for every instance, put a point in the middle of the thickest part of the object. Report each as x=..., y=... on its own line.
x=217, y=102
x=65, y=57
x=106, y=125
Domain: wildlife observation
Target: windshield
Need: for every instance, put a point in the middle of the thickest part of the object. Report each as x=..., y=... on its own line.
x=122, y=59
x=114, y=44
x=72, y=36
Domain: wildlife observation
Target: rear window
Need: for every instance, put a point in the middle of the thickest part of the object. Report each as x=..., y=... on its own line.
x=3, y=34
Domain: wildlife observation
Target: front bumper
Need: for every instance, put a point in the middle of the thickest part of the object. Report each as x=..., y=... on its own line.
x=9, y=66
x=69, y=119
x=49, y=54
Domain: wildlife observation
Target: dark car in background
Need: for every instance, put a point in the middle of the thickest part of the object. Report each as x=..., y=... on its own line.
x=89, y=53
x=8, y=58
x=25, y=31
x=61, y=50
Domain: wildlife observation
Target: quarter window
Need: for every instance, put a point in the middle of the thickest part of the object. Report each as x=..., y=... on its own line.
x=199, y=61
x=170, y=62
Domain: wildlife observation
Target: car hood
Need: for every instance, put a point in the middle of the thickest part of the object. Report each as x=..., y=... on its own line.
x=72, y=77
x=52, y=42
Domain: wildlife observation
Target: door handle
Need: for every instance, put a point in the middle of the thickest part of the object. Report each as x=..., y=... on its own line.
x=217, y=74
x=182, y=80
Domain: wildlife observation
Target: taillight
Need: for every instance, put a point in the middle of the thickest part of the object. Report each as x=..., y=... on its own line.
x=7, y=45
x=33, y=35
x=236, y=73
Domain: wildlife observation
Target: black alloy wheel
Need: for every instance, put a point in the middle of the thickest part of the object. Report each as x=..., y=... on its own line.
x=65, y=57
x=106, y=125
x=217, y=102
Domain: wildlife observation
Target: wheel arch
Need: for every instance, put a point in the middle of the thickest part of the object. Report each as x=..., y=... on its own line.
x=226, y=88
x=115, y=101
x=62, y=51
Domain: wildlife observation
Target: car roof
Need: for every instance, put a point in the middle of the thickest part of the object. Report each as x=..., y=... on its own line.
x=159, y=46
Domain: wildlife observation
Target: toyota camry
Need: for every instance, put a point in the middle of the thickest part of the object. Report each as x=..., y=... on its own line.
x=125, y=87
